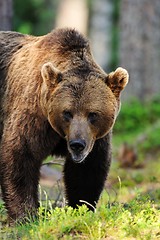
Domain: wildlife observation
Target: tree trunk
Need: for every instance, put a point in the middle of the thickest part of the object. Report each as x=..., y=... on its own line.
x=100, y=31
x=140, y=46
x=6, y=13
x=73, y=13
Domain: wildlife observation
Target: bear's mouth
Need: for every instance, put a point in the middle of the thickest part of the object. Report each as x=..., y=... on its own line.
x=79, y=158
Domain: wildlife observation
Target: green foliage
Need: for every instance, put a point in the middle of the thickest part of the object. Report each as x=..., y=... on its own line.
x=138, y=219
x=152, y=141
x=34, y=16
x=131, y=117
x=136, y=116
x=2, y=211
x=139, y=124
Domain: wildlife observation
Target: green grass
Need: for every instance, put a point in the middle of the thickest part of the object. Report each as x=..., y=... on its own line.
x=137, y=219
x=129, y=208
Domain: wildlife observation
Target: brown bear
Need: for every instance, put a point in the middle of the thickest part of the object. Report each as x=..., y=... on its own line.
x=54, y=99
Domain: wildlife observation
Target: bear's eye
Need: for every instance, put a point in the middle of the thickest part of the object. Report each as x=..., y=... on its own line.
x=67, y=116
x=92, y=117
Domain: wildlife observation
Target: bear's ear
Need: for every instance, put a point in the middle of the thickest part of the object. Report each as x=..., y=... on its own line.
x=117, y=80
x=50, y=74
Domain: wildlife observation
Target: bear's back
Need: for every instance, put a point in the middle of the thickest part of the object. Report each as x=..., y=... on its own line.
x=10, y=42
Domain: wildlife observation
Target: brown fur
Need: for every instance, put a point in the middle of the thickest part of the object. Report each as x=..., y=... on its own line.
x=53, y=94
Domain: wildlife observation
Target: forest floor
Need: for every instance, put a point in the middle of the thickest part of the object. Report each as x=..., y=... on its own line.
x=129, y=208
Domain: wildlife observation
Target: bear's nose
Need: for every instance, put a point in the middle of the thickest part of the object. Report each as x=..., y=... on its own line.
x=77, y=145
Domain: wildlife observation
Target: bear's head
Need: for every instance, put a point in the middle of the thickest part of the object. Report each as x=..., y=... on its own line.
x=80, y=101
x=81, y=105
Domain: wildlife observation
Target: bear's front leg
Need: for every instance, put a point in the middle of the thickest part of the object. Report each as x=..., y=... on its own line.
x=85, y=181
x=19, y=172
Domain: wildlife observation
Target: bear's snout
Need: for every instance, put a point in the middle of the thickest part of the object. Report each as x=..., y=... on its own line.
x=78, y=149
x=77, y=145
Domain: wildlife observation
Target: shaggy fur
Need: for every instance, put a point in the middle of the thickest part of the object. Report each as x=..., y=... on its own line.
x=52, y=94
